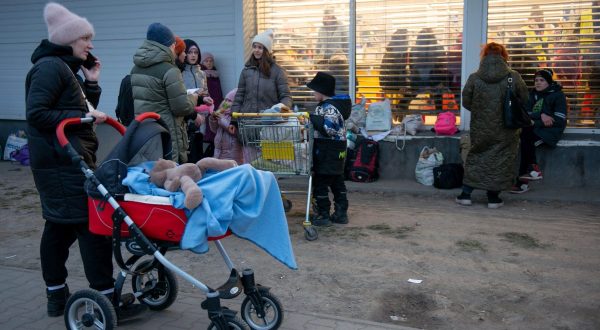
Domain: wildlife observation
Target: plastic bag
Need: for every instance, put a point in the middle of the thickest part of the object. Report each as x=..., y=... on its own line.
x=412, y=124
x=358, y=116
x=21, y=155
x=13, y=143
x=379, y=116
x=428, y=159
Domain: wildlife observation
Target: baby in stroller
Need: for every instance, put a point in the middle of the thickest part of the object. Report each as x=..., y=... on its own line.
x=153, y=220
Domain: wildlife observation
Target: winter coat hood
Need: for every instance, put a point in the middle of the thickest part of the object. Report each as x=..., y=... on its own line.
x=343, y=104
x=151, y=53
x=492, y=69
x=65, y=53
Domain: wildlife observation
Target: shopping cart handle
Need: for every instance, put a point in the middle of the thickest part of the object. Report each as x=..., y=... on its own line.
x=147, y=115
x=276, y=114
x=60, y=129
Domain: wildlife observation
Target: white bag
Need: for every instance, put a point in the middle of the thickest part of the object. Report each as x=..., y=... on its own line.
x=412, y=124
x=428, y=159
x=358, y=117
x=13, y=143
x=379, y=116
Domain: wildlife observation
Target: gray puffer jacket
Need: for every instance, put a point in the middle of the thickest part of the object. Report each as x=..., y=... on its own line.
x=158, y=87
x=256, y=92
x=491, y=162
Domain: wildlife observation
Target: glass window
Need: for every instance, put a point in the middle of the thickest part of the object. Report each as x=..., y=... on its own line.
x=558, y=34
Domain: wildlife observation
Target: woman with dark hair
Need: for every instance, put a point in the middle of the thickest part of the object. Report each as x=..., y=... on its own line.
x=491, y=162
x=263, y=83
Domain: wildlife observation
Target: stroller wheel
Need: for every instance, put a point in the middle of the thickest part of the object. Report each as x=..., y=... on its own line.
x=90, y=308
x=233, y=323
x=310, y=233
x=273, y=312
x=287, y=205
x=159, y=285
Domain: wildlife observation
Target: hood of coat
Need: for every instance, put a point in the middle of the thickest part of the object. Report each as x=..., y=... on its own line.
x=151, y=53
x=343, y=104
x=46, y=48
x=493, y=68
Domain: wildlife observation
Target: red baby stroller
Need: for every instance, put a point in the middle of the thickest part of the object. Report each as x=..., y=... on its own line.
x=150, y=227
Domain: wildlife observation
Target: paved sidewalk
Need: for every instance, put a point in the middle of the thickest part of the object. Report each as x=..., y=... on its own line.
x=23, y=306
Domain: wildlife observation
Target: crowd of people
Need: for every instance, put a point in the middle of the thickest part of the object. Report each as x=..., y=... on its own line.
x=175, y=79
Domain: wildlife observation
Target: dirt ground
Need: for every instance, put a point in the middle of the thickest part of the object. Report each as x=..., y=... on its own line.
x=528, y=265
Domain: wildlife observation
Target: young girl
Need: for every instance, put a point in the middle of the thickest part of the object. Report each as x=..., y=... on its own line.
x=227, y=145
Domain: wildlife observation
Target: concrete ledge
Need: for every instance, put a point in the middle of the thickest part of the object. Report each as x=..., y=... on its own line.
x=573, y=163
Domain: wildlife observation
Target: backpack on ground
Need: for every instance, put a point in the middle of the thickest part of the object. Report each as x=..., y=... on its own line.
x=445, y=124
x=366, y=165
x=448, y=176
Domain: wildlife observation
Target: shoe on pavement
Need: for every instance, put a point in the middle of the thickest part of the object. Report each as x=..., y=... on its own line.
x=321, y=220
x=519, y=188
x=130, y=311
x=339, y=217
x=463, y=199
x=494, y=202
x=534, y=173
x=57, y=300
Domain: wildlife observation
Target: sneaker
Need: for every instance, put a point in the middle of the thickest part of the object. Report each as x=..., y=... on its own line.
x=57, y=300
x=495, y=202
x=339, y=217
x=534, y=173
x=321, y=220
x=463, y=199
x=519, y=188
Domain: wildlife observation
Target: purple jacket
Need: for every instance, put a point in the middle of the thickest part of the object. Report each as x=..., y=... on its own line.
x=227, y=146
x=216, y=93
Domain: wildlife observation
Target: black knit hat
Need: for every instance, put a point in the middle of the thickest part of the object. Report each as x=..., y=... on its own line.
x=546, y=74
x=161, y=34
x=188, y=44
x=323, y=83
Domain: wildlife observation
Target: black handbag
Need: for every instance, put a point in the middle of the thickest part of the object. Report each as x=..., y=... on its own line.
x=514, y=113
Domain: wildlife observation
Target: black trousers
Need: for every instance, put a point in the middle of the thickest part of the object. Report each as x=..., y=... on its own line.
x=322, y=183
x=528, y=142
x=96, y=254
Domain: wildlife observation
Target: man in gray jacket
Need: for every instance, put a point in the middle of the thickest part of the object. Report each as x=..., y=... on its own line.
x=157, y=86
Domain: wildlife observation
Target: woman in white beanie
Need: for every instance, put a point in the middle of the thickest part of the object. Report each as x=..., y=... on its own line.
x=262, y=82
x=55, y=91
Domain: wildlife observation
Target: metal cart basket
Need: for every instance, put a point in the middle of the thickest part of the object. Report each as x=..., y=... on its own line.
x=280, y=143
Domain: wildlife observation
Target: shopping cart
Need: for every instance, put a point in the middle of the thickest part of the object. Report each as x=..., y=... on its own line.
x=280, y=143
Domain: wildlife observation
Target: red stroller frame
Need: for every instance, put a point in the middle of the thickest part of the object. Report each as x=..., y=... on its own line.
x=260, y=309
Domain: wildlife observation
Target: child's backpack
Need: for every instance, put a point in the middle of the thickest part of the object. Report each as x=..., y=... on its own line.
x=366, y=165
x=445, y=124
x=448, y=176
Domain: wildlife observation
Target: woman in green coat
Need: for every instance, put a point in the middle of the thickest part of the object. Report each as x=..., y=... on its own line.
x=491, y=162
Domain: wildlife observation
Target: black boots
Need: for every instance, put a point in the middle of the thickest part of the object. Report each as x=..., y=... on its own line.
x=57, y=299
x=340, y=215
x=321, y=220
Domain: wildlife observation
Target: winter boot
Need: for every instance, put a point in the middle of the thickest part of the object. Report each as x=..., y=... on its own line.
x=340, y=215
x=57, y=300
x=321, y=220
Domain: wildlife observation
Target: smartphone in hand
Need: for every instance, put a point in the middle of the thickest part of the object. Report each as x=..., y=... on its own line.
x=90, y=62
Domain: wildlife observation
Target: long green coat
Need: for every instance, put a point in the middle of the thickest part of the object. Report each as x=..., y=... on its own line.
x=157, y=86
x=491, y=162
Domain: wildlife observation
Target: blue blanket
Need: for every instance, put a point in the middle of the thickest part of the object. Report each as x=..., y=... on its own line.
x=243, y=199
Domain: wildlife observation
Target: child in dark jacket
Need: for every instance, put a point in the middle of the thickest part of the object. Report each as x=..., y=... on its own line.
x=329, y=150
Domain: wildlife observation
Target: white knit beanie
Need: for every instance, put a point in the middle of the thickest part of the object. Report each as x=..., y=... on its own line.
x=64, y=27
x=265, y=39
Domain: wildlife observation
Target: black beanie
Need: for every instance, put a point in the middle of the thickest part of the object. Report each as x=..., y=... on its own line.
x=323, y=83
x=161, y=34
x=188, y=44
x=546, y=74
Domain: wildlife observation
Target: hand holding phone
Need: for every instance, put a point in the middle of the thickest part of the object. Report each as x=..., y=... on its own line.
x=91, y=68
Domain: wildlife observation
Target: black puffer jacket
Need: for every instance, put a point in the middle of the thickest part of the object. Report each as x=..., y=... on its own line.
x=52, y=94
x=552, y=102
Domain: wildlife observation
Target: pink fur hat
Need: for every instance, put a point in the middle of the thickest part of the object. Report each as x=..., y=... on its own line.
x=64, y=27
x=231, y=95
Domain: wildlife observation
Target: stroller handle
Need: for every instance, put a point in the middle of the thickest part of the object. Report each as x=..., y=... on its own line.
x=147, y=115
x=60, y=129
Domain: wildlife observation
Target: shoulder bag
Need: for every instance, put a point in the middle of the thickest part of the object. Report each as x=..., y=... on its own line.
x=514, y=113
